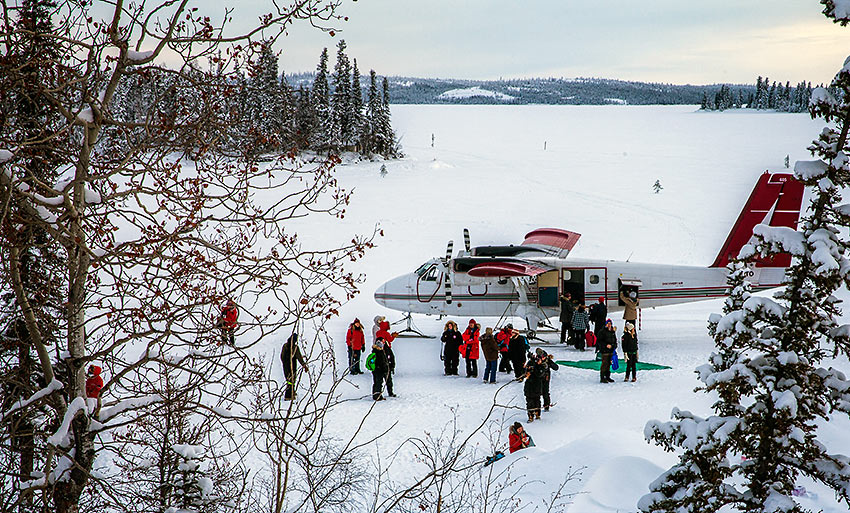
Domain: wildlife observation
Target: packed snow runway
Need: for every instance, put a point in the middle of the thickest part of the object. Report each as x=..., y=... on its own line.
x=488, y=171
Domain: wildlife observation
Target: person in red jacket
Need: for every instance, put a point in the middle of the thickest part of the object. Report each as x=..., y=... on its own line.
x=503, y=338
x=356, y=341
x=470, y=348
x=518, y=438
x=384, y=333
x=94, y=384
x=227, y=322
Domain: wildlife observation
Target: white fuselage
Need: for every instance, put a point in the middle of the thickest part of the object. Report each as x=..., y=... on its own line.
x=587, y=280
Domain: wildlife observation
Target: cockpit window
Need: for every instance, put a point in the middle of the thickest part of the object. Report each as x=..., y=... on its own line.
x=423, y=268
x=431, y=275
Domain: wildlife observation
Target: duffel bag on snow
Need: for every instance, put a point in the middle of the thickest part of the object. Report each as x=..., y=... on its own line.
x=370, y=362
x=590, y=339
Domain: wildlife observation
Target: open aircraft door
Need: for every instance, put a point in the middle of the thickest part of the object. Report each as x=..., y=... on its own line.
x=428, y=281
x=584, y=283
x=626, y=286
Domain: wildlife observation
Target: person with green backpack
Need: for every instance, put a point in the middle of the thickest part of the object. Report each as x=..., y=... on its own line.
x=377, y=363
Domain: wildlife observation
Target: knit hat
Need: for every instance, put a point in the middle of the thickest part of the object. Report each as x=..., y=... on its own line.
x=509, y=326
x=489, y=331
x=540, y=351
x=609, y=321
x=472, y=321
x=602, y=300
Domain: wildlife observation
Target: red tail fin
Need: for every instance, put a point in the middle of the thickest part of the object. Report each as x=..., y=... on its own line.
x=776, y=200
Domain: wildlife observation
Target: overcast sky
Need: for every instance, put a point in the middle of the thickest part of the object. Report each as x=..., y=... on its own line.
x=677, y=41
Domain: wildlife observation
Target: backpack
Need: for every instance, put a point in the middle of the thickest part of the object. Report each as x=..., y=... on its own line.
x=370, y=362
x=590, y=339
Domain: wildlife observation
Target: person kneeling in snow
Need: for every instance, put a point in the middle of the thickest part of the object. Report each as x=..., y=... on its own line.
x=518, y=438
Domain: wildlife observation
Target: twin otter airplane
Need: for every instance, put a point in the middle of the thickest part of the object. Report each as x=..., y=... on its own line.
x=526, y=280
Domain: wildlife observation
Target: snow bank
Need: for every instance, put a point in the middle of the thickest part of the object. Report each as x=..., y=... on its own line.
x=470, y=92
x=617, y=485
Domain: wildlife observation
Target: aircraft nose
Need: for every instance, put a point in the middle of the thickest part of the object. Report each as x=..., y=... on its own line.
x=381, y=294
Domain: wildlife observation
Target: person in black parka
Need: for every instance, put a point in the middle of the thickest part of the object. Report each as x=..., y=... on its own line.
x=607, y=343
x=535, y=374
x=517, y=347
x=453, y=339
x=598, y=314
x=289, y=354
x=380, y=370
x=566, y=317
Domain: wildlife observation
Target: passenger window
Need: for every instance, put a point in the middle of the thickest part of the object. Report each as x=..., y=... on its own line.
x=567, y=275
x=594, y=279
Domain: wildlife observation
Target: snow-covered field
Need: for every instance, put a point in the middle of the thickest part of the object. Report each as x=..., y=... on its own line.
x=488, y=171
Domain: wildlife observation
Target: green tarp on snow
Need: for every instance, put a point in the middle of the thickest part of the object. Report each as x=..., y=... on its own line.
x=595, y=364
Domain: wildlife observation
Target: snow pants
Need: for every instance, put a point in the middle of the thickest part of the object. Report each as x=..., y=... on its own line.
x=451, y=360
x=389, y=380
x=377, y=384
x=290, y=376
x=518, y=361
x=547, y=400
x=354, y=361
x=631, y=365
x=505, y=363
x=471, y=368
x=532, y=400
x=605, y=367
x=490, y=370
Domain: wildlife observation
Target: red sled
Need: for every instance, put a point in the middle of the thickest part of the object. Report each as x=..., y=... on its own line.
x=590, y=339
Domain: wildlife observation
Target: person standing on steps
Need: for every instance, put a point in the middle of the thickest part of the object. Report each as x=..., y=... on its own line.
x=607, y=343
x=356, y=342
x=630, y=351
x=490, y=348
x=517, y=348
x=451, y=350
x=289, y=355
x=566, y=316
x=631, y=303
x=470, y=348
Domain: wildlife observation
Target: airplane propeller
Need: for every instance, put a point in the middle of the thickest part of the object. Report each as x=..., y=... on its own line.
x=466, y=243
x=448, y=283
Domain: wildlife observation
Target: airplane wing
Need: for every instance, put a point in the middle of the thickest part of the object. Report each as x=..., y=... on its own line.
x=507, y=269
x=552, y=240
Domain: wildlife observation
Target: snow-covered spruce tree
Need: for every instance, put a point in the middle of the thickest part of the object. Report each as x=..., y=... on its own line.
x=767, y=371
x=371, y=138
x=343, y=115
x=266, y=103
x=356, y=106
x=305, y=119
x=321, y=103
x=151, y=243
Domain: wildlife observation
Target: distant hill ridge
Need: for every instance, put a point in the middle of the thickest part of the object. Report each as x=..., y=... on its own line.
x=549, y=91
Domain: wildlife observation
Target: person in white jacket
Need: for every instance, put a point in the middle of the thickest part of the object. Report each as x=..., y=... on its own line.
x=377, y=326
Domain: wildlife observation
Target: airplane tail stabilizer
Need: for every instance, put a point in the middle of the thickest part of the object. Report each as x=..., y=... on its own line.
x=776, y=200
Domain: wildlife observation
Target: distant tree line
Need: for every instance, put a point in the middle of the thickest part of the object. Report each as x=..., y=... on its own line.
x=260, y=113
x=766, y=96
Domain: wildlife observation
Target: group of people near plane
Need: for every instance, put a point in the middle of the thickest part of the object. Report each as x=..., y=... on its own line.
x=382, y=363
x=576, y=319
x=504, y=351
